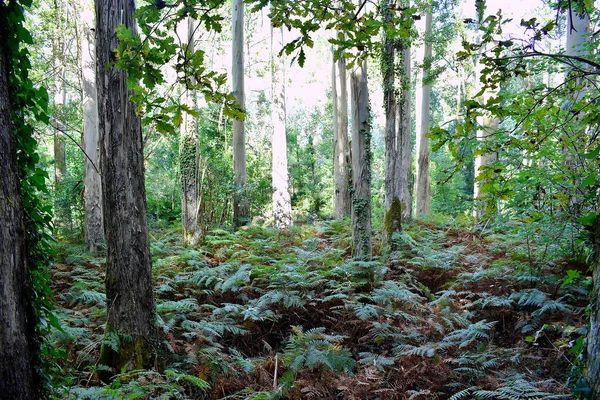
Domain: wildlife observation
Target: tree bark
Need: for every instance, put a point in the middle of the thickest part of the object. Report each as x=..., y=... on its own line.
x=487, y=125
x=62, y=207
x=189, y=154
x=241, y=212
x=282, y=204
x=131, y=312
x=342, y=205
x=92, y=194
x=361, y=164
x=398, y=139
x=388, y=58
x=403, y=167
x=423, y=186
x=16, y=316
x=593, y=340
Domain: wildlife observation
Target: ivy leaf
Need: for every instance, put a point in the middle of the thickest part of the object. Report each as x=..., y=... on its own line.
x=592, y=155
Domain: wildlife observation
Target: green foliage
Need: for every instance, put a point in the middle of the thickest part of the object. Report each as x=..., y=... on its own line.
x=232, y=311
x=29, y=103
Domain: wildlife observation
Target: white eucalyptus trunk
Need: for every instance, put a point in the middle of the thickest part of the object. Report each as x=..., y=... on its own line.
x=282, y=203
x=361, y=164
x=241, y=213
x=423, y=96
x=92, y=192
x=342, y=205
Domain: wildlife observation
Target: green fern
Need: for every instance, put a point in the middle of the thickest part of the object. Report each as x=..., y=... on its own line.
x=314, y=348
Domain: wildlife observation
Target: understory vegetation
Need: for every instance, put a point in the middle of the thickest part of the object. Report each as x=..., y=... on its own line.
x=445, y=311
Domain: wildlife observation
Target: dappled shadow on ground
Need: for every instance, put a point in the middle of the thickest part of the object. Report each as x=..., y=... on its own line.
x=450, y=313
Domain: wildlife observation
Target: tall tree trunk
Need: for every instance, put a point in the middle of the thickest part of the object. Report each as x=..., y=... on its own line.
x=398, y=138
x=189, y=154
x=388, y=58
x=342, y=205
x=62, y=208
x=593, y=340
x=131, y=312
x=361, y=164
x=92, y=194
x=241, y=212
x=403, y=171
x=423, y=189
x=16, y=316
x=282, y=204
x=487, y=125
x=578, y=28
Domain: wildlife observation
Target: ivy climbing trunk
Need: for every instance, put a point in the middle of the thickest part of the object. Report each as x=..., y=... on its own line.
x=16, y=316
x=395, y=61
x=388, y=56
x=361, y=164
x=282, y=204
x=131, y=336
x=92, y=184
x=403, y=168
x=342, y=205
x=189, y=152
x=241, y=212
x=423, y=96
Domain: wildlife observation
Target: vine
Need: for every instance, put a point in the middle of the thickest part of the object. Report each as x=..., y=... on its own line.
x=28, y=104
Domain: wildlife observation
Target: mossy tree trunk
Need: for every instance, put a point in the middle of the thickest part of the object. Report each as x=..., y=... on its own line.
x=16, y=316
x=361, y=164
x=395, y=64
x=189, y=153
x=388, y=56
x=403, y=168
x=131, y=336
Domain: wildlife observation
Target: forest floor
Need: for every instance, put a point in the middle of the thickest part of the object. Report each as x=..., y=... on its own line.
x=451, y=313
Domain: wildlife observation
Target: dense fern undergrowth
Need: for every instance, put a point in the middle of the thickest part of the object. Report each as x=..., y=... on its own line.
x=450, y=313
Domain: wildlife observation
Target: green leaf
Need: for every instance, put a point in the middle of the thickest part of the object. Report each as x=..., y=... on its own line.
x=587, y=219
x=592, y=155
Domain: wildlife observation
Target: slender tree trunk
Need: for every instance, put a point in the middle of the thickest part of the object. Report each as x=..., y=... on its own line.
x=92, y=194
x=361, y=164
x=487, y=126
x=189, y=154
x=131, y=312
x=16, y=316
x=282, y=204
x=62, y=209
x=342, y=206
x=241, y=212
x=388, y=58
x=403, y=167
x=423, y=187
